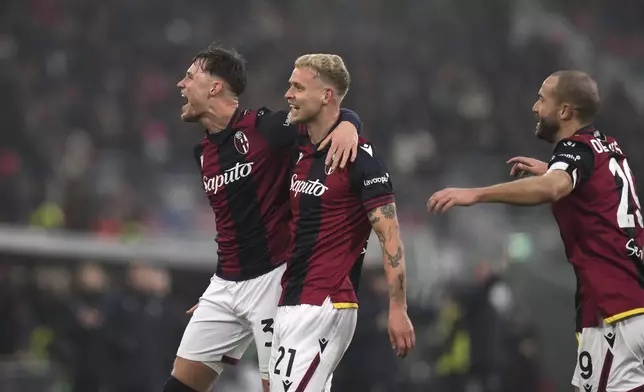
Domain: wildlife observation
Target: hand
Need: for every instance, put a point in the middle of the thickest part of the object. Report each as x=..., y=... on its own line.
x=192, y=310
x=401, y=332
x=442, y=201
x=522, y=165
x=344, y=145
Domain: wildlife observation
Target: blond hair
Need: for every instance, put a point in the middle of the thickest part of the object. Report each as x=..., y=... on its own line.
x=329, y=67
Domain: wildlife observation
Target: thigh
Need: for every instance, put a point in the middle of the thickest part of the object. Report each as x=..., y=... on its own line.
x=215, y=334
x=264, y=295
x=609, y=358
x=309, y=343
x=627, y=352
x=591, y=353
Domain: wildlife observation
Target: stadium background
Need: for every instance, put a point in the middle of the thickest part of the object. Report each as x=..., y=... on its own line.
x=106, y=237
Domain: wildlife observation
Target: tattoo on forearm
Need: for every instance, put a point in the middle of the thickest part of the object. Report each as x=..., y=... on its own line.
x=394, y=260
x=388, y=211
x=397, y=292
x=373, y=218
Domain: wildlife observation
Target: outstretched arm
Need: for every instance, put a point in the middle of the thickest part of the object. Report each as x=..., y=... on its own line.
x=571, y=165
x=385, y=223
x=547, y=188
x=532, y=191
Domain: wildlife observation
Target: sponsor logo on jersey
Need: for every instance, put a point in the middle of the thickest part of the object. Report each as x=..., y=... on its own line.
x=377, y=180
x=634, y=250
x=287, y=122
x=573, y=158
x=241, y=142
x=235, y=173
x=308, y=187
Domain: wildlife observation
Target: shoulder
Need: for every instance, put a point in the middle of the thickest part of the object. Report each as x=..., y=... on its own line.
x=366, y=151
x=368, y=159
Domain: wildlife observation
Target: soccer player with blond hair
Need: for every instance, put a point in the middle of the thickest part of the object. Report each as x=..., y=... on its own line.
x=333, y=215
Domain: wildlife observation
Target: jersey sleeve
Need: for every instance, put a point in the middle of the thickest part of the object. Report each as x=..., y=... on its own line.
x=370, y=179
x=575, y=158
x=277, y=128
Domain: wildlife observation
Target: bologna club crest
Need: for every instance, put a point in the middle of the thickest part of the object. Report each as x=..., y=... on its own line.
x=241, y=142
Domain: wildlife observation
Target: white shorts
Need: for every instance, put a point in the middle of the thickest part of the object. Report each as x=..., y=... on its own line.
x=308, y=344
x=610, y=358
x=229, y=316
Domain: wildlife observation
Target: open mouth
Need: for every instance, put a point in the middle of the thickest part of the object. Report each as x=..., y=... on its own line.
x=186, y=98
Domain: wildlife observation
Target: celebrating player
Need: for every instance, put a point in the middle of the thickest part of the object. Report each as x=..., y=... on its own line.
x=333, y=214
x=592, y=191
x=245, y=161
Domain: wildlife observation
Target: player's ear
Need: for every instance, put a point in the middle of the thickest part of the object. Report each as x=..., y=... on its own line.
x=328, y=94
x=216, y=87
x=566, y=112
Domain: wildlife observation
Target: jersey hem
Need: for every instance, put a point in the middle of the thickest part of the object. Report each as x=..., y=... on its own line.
x=250, y=274
x=345, y=305
x=623, y=315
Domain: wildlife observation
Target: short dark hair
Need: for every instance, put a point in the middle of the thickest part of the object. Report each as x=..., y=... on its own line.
x=225, y=63
x=580, y=90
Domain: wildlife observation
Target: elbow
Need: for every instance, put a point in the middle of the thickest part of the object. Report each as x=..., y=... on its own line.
x=553, y=194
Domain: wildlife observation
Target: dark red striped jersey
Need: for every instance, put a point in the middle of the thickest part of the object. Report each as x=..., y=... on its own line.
x=245, y=172
x=330, y=227
x=601, y=227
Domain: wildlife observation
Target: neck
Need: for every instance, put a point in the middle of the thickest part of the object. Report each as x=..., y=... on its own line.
x=569, y=129
x=218, y=116
x=321, y=125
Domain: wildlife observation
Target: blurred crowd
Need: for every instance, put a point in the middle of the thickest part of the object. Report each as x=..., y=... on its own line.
x=93, y=139
x=92, y=142
x=88, y=327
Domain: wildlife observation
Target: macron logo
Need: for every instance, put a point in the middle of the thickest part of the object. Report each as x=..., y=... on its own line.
x=367, y=148
x=378, y=180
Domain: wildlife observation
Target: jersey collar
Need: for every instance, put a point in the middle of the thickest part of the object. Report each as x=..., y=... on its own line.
x=314, y=149
x=588, y=129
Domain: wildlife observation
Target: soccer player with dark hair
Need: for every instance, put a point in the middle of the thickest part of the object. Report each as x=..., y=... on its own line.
x=333, y=215
x=592, y=190
x=245, y=162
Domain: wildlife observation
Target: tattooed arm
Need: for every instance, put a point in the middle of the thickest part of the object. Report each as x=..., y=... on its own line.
x=385, y=223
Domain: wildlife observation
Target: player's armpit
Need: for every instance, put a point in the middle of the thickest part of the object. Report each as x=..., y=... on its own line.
x=385, y=223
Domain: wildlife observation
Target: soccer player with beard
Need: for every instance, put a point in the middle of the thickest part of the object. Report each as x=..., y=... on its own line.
x=592, y=190
x=245, y=163
x=333, y=215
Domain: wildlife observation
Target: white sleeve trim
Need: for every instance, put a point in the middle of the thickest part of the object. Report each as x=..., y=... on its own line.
x=559, y=166
x=565, y=167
